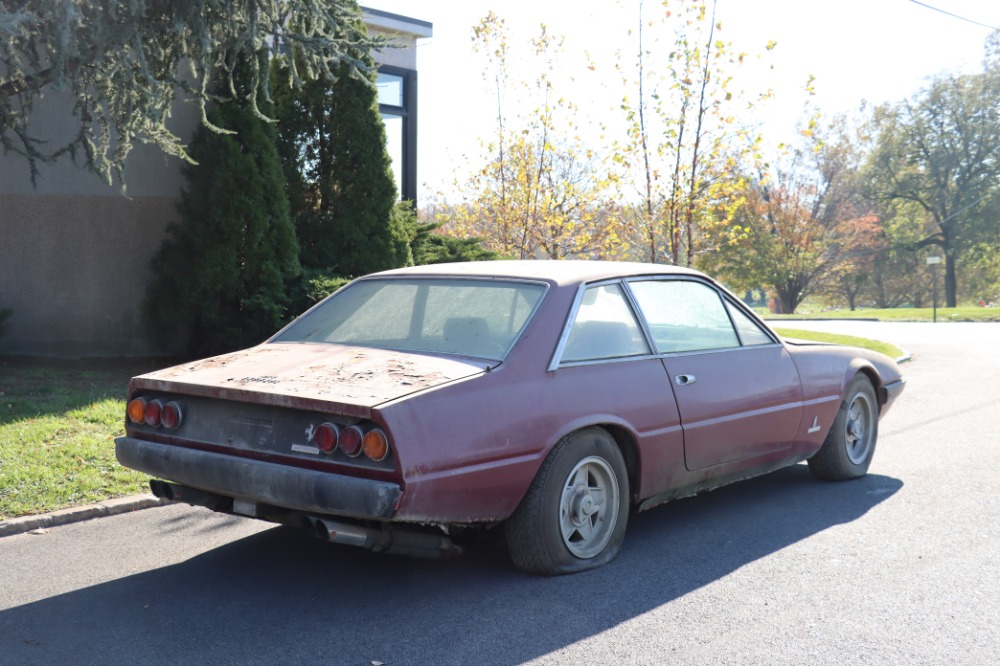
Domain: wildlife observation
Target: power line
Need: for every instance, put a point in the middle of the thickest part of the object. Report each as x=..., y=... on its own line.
x=961, y=18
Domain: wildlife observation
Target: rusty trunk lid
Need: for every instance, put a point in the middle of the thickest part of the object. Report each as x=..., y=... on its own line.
x=313, y=376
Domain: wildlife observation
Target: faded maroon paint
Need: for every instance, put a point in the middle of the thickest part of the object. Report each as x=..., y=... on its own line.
x=826, y=370
x=743, y=402
x=470, y=451
x=469, y=436
x=346, y=380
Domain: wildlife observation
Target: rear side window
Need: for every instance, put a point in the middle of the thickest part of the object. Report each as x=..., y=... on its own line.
x=684, y=316
x=604, y=327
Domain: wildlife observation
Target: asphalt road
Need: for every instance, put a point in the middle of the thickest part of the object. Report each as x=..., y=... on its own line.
x=901, y=567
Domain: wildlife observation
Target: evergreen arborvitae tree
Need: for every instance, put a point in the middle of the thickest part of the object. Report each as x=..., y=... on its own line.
x=333, y=148
x=220, y=276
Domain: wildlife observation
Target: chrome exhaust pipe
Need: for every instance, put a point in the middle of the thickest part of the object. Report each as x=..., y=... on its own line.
x=161, y=489
x=398, y=542
x=350, y=535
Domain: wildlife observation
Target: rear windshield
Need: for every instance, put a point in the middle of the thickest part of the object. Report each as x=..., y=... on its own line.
x=471, y=317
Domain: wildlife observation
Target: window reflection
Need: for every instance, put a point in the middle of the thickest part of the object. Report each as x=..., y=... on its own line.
x=684, y=316
x=390, y=89
x=604, y=327
x=394, y=145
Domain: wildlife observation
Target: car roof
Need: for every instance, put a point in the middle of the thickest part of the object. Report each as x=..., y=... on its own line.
x=558, y=272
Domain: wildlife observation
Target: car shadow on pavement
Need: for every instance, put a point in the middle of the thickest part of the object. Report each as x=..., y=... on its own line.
x=277, y=597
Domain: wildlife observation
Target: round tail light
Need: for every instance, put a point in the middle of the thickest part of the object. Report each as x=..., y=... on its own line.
x=136, y=410
x=351, y=439
x=376, y=445
x=326, y=437
x=153, y=410
x=171, y=416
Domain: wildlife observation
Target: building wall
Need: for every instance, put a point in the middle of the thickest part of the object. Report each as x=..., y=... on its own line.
x=75, y=253
x=74, y=269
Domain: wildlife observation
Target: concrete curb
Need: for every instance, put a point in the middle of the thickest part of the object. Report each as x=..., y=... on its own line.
x=78, y=514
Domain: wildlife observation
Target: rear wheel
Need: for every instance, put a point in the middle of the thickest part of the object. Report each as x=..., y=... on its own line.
x=849, y=446
x=573, y=516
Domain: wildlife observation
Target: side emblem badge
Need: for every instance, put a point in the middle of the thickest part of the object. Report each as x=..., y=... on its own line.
x=814, y=427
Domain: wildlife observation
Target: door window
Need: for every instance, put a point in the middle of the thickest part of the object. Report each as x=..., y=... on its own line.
x=750, y=332
x=684, y=316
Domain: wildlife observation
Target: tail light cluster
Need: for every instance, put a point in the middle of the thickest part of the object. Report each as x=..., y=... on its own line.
x=155, y=413
x=352, y=440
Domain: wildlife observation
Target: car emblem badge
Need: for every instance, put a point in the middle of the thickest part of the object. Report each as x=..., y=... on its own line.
x=814, y=427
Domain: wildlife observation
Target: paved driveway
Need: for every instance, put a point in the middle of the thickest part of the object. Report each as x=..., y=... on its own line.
x=901, y=567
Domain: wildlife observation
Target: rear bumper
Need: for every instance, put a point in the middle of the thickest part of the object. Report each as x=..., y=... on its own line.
x=254, y=480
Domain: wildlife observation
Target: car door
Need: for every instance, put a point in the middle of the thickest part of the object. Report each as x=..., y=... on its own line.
x=608, y=368
x=736, y=388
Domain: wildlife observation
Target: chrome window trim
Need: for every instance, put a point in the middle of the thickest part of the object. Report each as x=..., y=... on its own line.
x=556, y=361
x=606, y=361
x=694, y=352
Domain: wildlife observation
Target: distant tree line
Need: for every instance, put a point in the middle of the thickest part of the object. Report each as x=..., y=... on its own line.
x=846, y=215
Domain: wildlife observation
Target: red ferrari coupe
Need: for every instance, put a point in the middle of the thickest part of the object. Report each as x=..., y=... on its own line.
x=546, y=399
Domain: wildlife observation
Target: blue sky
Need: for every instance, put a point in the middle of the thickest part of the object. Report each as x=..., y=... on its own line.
x=874, y=50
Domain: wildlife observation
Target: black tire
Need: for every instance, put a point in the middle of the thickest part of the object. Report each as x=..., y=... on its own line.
x=850, y=444
x=574, y=514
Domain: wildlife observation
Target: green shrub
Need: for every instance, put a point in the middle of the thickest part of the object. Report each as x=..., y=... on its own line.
x=321, y=286
x=332, y=145
x=311, y=287
x=220, y=276
x=426, y=247
x=438, y=249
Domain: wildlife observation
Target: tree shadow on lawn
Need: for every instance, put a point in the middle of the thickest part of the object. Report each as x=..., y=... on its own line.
x=276, y=597
x=32, y=387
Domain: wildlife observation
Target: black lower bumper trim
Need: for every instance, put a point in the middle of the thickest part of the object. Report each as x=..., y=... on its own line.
x=254, y=480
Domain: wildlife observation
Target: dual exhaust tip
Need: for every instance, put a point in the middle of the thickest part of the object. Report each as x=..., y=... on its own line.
x=380, y=540
x=394, y=541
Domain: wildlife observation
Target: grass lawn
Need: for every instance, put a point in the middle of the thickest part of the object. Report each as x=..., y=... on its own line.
x=969, y=313
x=58, y=421
x=892, y=351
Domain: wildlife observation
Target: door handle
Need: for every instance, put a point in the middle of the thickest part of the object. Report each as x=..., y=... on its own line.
x=684, y=380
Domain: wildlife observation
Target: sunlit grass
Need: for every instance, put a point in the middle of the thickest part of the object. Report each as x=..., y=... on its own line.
x=968, y=313
x=57, y=430
x=889, y=350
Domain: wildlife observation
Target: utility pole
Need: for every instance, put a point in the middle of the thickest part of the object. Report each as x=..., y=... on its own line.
x=932, y=261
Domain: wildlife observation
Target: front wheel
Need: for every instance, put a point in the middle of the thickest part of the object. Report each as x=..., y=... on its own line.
x=574, y=514
x=849, y=446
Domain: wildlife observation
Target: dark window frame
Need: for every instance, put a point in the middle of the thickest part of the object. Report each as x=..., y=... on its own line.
x=408, y=112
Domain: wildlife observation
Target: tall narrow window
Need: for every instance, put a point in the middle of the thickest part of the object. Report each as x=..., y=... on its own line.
x=397, y=102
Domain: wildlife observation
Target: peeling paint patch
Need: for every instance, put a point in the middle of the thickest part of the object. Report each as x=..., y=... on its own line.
x=294, y=374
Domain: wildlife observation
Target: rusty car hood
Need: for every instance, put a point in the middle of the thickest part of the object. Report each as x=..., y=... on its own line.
x=350, y=379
